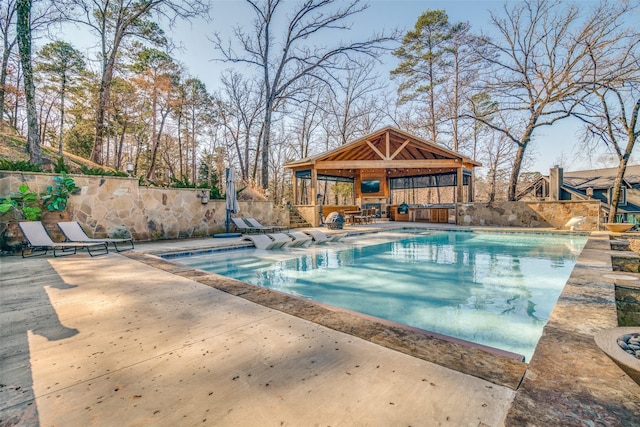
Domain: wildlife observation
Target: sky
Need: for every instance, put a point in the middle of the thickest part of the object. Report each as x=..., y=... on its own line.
x=552, y=145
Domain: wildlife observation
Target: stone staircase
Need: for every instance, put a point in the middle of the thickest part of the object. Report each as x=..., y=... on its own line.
x=296, y=220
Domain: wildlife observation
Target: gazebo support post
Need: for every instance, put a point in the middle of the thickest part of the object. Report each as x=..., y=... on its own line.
x=314, y=196
x=460, y=187
x=294, y=182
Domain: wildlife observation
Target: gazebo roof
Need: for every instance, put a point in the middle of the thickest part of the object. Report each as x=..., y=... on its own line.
x=387, y=148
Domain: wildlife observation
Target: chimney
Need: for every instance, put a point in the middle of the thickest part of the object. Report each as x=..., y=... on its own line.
x=555, y=183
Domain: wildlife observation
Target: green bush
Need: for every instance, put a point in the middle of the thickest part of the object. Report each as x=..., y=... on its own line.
x=19, y=165
x=214, y=192
x=22, y=204
x=57, y=195
x=100, y=172
x=60, y=166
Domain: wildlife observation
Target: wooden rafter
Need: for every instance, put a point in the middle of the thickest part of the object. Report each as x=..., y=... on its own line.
x=395, y=153
x=373, y=147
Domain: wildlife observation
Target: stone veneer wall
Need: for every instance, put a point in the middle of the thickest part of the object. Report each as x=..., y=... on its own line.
x=111, y=206
x=529, y=214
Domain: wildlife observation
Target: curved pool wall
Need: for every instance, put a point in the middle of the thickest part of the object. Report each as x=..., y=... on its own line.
x=494, y=289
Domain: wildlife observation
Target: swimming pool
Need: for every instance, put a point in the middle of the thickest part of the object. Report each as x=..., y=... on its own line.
x=495, y=289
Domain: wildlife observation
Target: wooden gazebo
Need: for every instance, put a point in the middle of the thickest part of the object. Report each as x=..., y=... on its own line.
x=378, y=164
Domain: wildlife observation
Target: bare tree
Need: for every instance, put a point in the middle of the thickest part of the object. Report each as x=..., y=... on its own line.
x=610, y=112
x=540, y=63
x=239, y=107
x=115, y=22
x=9, y=40
x=497, y=155
x=306, y=117
x=283, y=63
x=353, y=101
x=42, y=14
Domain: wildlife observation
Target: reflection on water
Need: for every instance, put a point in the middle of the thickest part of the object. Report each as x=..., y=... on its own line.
x=494, y=289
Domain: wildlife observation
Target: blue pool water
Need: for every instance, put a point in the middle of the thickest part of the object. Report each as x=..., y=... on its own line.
x=495, y=289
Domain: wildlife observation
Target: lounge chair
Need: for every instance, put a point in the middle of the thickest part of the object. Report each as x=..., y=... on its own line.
x=266, y=241
x=74, y=233
x=280, y=239
x=300, y=239
x=321, y=237
x=242, y=226
x=254, y=223
x=38, y=240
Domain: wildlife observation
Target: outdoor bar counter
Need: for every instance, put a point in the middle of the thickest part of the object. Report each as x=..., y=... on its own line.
x=422, y=213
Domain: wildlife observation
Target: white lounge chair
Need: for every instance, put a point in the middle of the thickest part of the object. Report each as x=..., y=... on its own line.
x=575, y=222
x=321, y=237
x=39, y=241
x=74, y=233
x=300, y=239
x=267, y=241
x=280, y=239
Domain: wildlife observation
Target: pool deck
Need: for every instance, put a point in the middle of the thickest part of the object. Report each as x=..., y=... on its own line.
x=130, y=339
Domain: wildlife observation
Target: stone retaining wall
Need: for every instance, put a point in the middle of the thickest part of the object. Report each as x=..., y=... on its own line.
x=111, y=206
x=529, y=214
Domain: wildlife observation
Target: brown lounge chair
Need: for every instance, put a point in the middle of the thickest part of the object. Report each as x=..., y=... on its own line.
x=242, y=226
x=254, y=223
x=39, y=241
x=74, y=233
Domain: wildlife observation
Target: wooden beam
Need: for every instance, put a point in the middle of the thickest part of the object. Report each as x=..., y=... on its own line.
x=404, y=144
x=388, y=164
x=373, y=147
x=387, y=145
x=460, y=192
x=294, y=181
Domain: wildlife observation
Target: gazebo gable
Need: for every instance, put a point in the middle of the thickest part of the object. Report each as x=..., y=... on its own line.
x=388, y=145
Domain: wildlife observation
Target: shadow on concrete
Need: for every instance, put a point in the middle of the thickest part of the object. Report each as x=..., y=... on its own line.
x=24, y=307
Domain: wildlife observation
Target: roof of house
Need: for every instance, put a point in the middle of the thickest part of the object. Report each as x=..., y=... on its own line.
x=577, y=182
x=600, y=179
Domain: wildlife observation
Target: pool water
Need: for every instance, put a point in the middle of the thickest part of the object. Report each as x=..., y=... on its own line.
x=495, y=289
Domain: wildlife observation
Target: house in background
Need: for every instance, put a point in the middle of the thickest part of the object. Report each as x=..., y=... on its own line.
x=589, y=184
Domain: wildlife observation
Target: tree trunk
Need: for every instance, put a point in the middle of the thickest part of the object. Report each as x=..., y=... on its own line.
x=118, y=162
x=62, y=90
x=265, y=146
x=617, y=185
x=8, y=47
x=24, y=46
x=517, y=162
x=103, y=101
x=515, y=173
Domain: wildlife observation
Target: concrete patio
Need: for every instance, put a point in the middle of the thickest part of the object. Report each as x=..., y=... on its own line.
x=132, y=340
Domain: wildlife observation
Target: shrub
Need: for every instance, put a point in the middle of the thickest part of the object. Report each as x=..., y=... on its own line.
x=57, y=195
x=60, y=166
x=19, y=165
x=100, y=172
x=22, y=204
